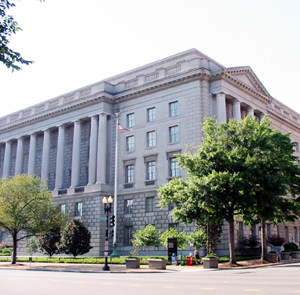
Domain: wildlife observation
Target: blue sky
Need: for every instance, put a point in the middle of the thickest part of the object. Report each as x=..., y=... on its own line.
x=75, y=43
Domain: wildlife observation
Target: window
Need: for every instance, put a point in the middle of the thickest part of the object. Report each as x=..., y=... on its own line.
x=296, y=237
x=150, y=170
x=240, y=231
x=130, y=120
x=174, y=225
x=128, y=204
x=129, y=173
x=150, y=204
x=3, y=237
x=174, y=167
x=173, y=109
x=63, y=208
x=297, y=147
x=286, y=232
x=151, y=139
x=173, y=134
x=78, y=209
x=128, y=236
x=269, y=229
x=171, y=206
x=151, y=115
x=130, y=143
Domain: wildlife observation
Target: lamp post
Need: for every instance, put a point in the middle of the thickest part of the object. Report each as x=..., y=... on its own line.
x=107, y=209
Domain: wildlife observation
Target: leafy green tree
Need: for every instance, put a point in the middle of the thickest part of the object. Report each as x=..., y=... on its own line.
x=49, y=241
x=32, y=245
x=27, y=208
x=8, y=27
x=146, y=237
x=224, y=181
x=174, y=233
x=75, y=238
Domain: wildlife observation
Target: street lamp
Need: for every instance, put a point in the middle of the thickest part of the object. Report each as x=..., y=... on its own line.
x=107, y=209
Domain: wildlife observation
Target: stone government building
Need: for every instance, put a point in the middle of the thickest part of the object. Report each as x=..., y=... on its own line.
x=70, y=140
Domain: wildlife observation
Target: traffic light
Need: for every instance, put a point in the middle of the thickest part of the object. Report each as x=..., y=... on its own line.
x=112, y=233
x=112, y=221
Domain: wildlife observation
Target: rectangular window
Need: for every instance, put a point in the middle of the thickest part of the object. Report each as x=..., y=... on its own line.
x=129, y=174
x=130, y=120
x=128, y=236
x=268, y=230
x=78, y=209
x=240, y=231
x=128, y=205
x=151, y=115
x=286, y=233
x=130, y=143
x=173, y=134
x=174, y=225
x=151, y=139
x=3, y=237
x=63, y=208
x=296, y=237
x=150, y=170
x=173, y=108
x=174, y=167
x=150, y=204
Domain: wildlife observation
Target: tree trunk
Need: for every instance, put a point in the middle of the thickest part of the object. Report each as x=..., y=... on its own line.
x=263, y=240
x=231, y=242
x=14, y=254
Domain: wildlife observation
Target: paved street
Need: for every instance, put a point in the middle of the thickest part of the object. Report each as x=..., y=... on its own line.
x=281, y=279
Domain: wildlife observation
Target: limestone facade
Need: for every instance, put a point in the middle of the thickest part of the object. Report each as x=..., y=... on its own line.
x=70, y=140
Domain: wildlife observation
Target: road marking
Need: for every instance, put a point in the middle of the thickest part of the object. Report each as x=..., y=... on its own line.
x=79, y=282
x=297, y=291
x=252, y=290
x=135, y=285
x=170, y=287
x=208, y=288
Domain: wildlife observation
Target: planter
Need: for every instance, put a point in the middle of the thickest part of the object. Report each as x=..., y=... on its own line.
x=132, y=262
x=210, y=262
x=296, y=254
x=285, y=255
x=273, y=256
x=157, y=263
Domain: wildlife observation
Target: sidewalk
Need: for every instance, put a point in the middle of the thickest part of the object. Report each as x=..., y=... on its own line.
x=121, y=268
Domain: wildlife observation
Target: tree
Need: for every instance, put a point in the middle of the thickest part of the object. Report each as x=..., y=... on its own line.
x=173, y=233
x=49, y=242
x=223, y=179
x=75, y=238
x=27, y=208
x=146, y=237
x=8, y=27
x=32, y=245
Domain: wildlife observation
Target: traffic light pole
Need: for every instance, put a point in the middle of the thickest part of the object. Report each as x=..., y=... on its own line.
x=107, y=209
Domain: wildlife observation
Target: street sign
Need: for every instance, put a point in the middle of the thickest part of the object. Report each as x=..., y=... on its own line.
x=102, y=219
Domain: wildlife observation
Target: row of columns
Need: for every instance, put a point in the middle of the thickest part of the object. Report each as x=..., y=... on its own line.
x=236, y=109
x=97, y=154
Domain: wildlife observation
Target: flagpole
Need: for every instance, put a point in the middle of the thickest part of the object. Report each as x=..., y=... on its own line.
x=115, y=254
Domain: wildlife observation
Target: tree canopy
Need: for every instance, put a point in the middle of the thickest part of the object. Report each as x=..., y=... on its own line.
x=173, y=233
x=235, y=165
x=27, y=208
x=8, y=27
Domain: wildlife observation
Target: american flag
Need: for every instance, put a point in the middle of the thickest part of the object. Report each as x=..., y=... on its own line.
x=120, y=127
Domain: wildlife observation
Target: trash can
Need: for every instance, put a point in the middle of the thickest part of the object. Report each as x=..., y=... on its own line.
x=189, y=260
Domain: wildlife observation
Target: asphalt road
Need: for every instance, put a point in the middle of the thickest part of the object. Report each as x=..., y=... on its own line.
x=283, y=279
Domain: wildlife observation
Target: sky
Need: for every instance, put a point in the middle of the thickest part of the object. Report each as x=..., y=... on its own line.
x=76, y=43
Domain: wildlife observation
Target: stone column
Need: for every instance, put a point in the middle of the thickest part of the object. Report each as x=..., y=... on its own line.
x=101, y=153
x=32, y=155
x=7, y=159
x=46, y=155
x=250, y=111
x=19, y=157
x=59, y=173
x=236, y=110
x=76, y=154
x=221, y=107
x=93, y=150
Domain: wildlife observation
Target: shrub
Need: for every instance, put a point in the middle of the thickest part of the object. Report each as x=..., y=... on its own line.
x=290, y=246
x=276, y=240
